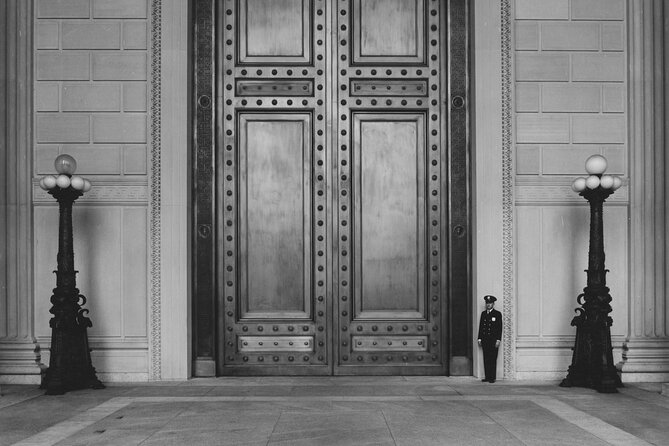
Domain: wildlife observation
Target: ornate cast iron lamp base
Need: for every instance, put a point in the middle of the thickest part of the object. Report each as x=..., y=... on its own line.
x=70, y=365
x=592, y=361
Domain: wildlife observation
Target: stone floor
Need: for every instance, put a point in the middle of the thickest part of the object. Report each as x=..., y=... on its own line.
x=335, y=411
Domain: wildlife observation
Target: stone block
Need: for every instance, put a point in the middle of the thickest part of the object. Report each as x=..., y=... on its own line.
x=542, y=67
x=598, y=129
x=617, y=158
x=598, y=67
x=61, y=66
x=91, y=97
x=527, y=35
x=598, y=9
x=527, y=97
x=134, y=35
x=134, y=97
x=127, y=9
x=64, y=128
x=570, y=36
x=565, y=159
x=542, y=128
x=104, y=35
x=46, y=35
x=63, y=9
x=528, y=160
x=542, y=9
x=95, y=159
x=613, y=37
x=44, y=156
x=46, y=97
x=565, y=97
x=126, y=128
x=120, y=66
x=135, y=160
x=614, y=98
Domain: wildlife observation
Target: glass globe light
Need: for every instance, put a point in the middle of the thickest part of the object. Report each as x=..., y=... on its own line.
x=606, y=182
x=592, y=182
x=596, y=165
x=617, y=182
x=77, y=183
x=578, y=185
x=63, y=181
x=49, y=181
x=65, y=164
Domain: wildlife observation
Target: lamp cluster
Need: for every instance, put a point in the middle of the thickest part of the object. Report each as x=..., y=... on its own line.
x=65, y=166
x=596, y=166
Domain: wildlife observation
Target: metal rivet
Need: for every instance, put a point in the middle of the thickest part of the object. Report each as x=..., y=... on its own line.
x=260, y=328
x=261, y=359
x=405, y=328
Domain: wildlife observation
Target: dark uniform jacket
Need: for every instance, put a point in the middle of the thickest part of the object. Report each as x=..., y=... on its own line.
x=490, y=326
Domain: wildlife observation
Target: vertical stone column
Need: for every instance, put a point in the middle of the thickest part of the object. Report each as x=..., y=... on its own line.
x=19, y=353
x=646, y=350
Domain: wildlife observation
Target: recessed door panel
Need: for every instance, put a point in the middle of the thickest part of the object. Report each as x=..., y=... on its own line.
x=388, y=32
x=274, y=31
x=275, y=214
x=389, y=214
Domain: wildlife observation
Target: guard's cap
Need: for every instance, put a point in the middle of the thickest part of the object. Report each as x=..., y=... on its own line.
x=489, y=299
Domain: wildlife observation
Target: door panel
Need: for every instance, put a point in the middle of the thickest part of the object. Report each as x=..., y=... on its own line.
x=272, y=263
x=390, y=301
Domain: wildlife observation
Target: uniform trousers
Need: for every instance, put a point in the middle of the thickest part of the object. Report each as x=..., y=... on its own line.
x=489, y=358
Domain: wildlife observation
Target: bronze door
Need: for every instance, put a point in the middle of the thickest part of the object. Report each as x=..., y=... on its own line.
x=331, y=172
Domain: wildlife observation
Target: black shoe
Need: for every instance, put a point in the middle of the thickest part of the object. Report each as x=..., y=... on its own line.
x=485, y=380
x=491, y=381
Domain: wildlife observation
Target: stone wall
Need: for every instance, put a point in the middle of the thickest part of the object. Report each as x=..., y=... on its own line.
x=91, y=67
x=570, y=102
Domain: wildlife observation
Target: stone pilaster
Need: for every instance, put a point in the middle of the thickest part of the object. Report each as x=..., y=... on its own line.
x=19, y=353
x=646, y=350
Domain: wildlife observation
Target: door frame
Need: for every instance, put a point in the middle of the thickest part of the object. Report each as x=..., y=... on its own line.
x=207, y=321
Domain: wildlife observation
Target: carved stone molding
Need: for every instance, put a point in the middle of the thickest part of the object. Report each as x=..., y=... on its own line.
x=115, y=193
x=508, y=297
x=19, y=352
x=155, y=199
x=644, y=357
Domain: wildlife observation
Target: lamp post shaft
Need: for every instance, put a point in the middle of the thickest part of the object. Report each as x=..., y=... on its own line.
x=70, y=365
x=592, y=360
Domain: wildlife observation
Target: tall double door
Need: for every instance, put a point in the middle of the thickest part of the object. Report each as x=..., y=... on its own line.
x=331, y=199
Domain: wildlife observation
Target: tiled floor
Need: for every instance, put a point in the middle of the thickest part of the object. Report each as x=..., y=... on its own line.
x=335, y=411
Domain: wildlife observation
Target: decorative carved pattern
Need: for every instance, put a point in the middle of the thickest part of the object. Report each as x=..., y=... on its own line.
x=541, y=194
x=102, y=193
x=508, y=340
x=154, y=203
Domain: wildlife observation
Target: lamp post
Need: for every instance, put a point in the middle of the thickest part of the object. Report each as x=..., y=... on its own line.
x=70, y=365
x=592, y=361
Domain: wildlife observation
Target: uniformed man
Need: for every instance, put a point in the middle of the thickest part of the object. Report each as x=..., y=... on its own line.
x=490, y=336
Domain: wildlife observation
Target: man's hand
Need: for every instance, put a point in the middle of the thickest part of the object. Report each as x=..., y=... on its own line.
x=479, y=342
x=496, y=343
